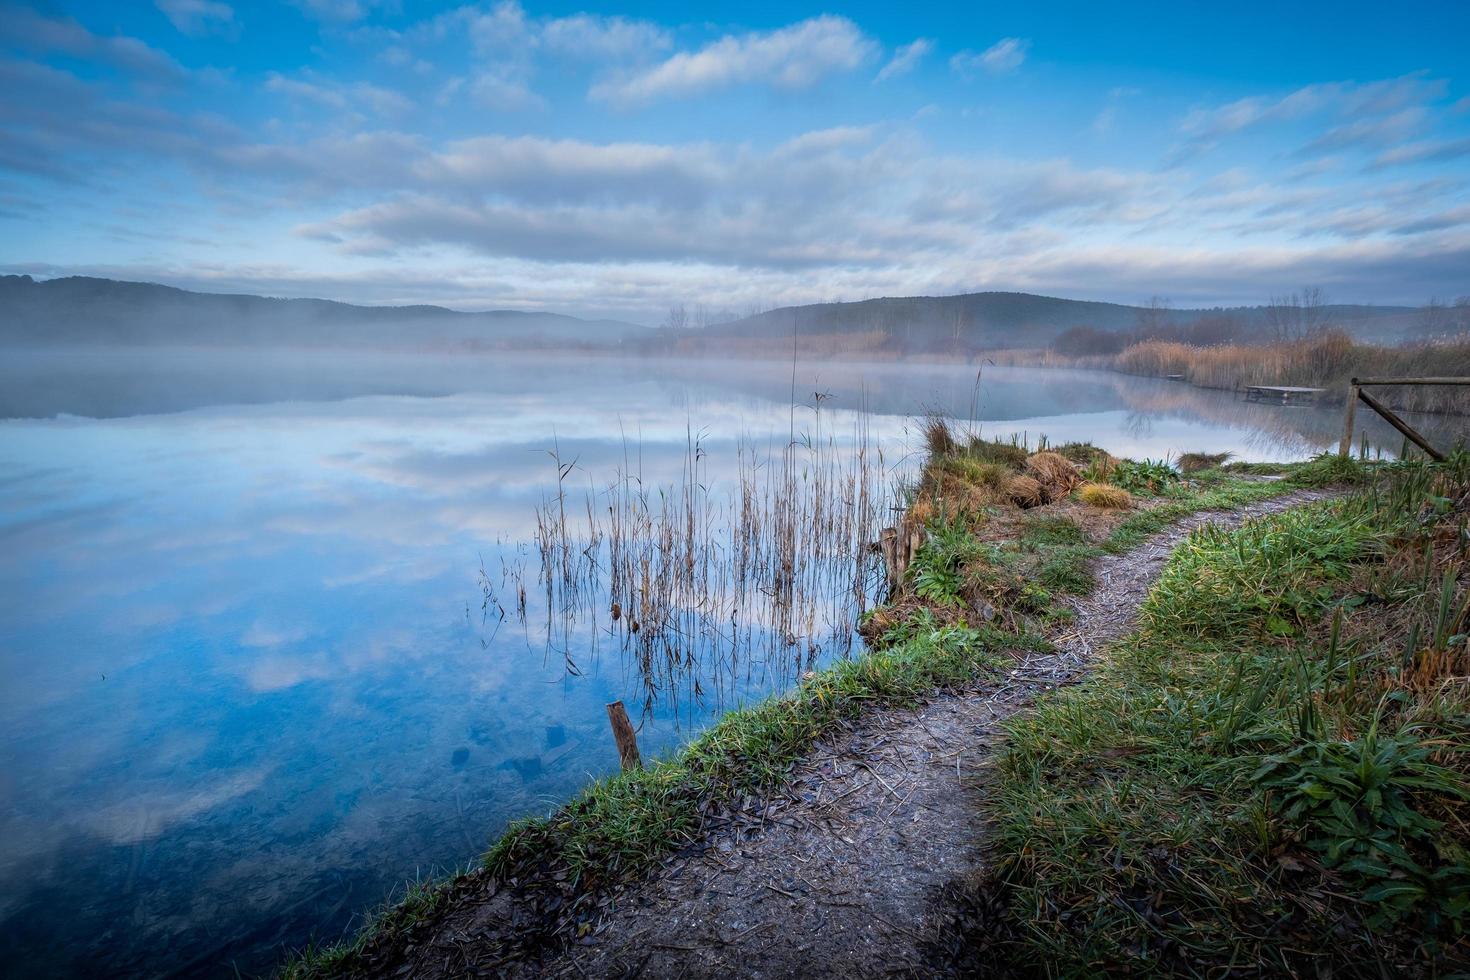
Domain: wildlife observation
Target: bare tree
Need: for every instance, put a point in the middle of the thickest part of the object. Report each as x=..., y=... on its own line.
x=1294, y=315
x=1435, y=318
x=678, y=318
x=1153, y=318
x=1314, y=310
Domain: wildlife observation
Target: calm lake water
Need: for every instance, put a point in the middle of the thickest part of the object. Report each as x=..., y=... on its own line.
x=250, y=681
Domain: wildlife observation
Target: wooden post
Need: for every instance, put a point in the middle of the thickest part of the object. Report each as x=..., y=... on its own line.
x=1392, y=418
x=1347, y=424
x=888, y=545
x=624, y=735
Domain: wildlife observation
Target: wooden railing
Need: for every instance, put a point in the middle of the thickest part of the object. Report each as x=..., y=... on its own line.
x=1357, y=394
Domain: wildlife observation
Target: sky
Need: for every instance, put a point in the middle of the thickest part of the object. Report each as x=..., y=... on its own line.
x=619, y=159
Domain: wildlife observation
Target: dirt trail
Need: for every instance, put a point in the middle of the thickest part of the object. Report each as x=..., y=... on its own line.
x=840, y=873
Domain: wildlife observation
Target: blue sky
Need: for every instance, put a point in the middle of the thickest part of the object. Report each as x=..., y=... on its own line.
x=615, y=160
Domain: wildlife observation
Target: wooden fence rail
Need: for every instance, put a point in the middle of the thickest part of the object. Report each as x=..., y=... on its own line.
x=1357, y=394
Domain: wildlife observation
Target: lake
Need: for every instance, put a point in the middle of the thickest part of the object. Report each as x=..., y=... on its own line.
x=256, y=672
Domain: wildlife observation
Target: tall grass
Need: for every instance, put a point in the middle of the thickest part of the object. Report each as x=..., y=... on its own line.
x=1327, y=360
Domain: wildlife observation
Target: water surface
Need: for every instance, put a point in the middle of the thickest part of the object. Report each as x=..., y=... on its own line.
x=250, y=684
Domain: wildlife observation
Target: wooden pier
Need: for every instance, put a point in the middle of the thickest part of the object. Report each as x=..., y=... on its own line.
x=1285, y=394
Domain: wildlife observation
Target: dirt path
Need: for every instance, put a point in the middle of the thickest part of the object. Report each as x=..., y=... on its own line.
x=841, y=873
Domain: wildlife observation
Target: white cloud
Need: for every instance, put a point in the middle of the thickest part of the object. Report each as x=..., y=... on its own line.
x=1001, y=58
x=310, y=91
x=607, y=38
x=1350, y=99
x=310, y=87
x=198, y=17
x=334, y=11
x=905, y=59
x=792, y=57
x=491, y=30
x=502, y=91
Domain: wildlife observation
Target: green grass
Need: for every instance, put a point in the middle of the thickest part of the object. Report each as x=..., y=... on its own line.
x=1240, y=787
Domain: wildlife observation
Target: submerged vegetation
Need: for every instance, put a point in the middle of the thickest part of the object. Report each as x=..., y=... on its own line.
x=704, y=585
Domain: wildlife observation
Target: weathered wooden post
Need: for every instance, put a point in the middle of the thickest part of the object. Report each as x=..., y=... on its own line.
x=624, y=735
x=1347, y=424
x=888, y=545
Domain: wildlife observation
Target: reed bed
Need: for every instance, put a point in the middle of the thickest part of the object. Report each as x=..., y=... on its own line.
x=1327, y=360
x=708, y=587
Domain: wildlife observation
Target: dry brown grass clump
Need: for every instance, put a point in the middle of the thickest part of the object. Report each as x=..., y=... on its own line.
x=1025, y=491
x=1056, y=474
x=1104, y=495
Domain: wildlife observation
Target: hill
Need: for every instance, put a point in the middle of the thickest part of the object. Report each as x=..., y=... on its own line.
x=80, y=310
x=997, y=320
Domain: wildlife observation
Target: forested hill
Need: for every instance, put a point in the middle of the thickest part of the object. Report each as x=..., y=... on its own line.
x=83, y=310
x=1001, y=320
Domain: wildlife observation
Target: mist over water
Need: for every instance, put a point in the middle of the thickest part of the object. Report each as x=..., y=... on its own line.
x=251, y=682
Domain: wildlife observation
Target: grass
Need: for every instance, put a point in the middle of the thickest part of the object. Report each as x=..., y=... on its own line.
x=1269, y=777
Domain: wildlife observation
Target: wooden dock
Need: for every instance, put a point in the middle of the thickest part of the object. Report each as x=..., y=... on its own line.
x=1285, y=394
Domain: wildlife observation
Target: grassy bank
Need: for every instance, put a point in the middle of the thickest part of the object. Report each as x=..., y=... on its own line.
x=985, y=580
x=1270, y=777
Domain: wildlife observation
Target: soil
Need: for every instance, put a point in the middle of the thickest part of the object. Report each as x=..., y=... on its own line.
x=850, y=869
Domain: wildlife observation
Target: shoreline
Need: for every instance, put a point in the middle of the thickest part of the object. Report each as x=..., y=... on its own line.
x=555, y=872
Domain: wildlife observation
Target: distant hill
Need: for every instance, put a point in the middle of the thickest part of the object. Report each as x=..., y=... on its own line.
x=82, y=310
x=998, y=320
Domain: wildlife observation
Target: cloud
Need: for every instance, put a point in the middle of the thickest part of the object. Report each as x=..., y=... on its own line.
x=1001, y=58
x=1424, y=151
x=329, y=94
x=197, y=18
x=905, y=59
x=502, y=27
x=829, y=197
x=504, y=92
x=334, y=11
x=606, y=38
x=1377, y=112
x=792, y=57
x=1370, y=132
x=309, y=91
x=32, y=31
x=1107, y=117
